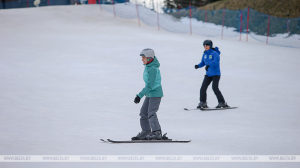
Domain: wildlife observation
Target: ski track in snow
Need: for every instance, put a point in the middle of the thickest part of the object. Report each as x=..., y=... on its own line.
x=69, y=75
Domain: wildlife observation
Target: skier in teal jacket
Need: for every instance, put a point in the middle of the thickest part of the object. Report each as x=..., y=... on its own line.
x=153, y=91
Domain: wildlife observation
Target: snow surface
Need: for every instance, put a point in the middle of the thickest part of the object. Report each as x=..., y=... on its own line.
x=69, y=75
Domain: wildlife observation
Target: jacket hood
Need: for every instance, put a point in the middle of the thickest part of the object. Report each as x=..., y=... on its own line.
x=154, y=63
x=216, y=49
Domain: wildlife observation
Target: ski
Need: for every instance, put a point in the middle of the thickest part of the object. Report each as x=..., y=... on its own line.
x=190, y=109
x=207, y=109
x=103, y=140
x=225, y=108
x=148, y=141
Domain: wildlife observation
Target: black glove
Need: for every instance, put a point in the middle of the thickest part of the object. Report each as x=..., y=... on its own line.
x=196, y=66
x=137, y=99
x=206, y=68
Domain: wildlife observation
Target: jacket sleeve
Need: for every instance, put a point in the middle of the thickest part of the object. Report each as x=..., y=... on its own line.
x=201, y=64
x=150, y=83
x=216, y=60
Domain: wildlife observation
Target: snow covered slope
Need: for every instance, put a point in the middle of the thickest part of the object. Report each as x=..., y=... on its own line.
x=69, y=75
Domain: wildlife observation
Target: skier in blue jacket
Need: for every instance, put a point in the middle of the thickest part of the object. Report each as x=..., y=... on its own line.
x=211, y=58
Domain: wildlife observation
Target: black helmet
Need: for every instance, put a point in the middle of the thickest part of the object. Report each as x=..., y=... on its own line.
x=208, y=42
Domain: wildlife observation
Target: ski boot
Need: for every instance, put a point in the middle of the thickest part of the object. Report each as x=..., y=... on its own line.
x=141, y=136
x=202, y=105
x=222, y=105
x=155, y=135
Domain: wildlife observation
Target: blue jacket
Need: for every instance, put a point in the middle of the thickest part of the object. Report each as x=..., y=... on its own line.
x=211, y=58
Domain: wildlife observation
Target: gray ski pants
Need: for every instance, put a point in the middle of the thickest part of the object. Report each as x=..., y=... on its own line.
x=149, y=120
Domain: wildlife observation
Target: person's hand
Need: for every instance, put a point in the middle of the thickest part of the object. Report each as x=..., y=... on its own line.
x=196, y=66
x=206, y=68
x=137, y=99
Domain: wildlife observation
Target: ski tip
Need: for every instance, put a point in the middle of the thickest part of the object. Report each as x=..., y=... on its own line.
x=186, y=109
x=102, y=140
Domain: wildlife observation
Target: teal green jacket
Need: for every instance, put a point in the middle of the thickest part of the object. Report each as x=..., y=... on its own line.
x=152, y=80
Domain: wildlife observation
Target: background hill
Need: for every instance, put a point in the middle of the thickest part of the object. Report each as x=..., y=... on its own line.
x=277, y=8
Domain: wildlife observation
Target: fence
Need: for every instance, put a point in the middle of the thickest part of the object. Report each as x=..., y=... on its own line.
x=216, y=23
x=262, y=27
x=212, y=23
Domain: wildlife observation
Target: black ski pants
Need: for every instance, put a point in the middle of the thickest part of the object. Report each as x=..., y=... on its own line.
x=215, y=86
